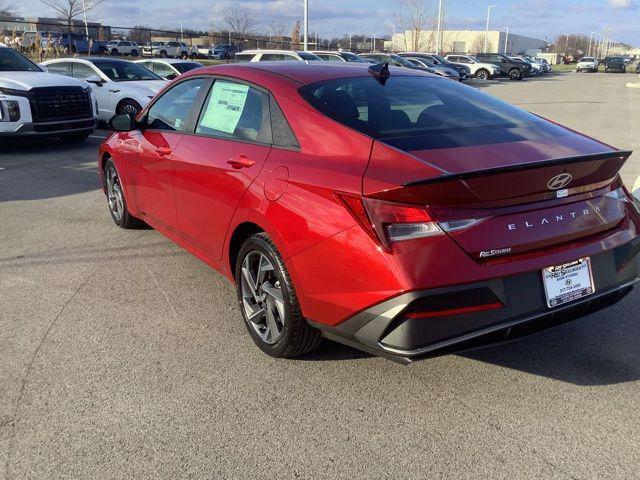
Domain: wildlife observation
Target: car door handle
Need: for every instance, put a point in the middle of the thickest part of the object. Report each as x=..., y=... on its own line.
x=241, y=161
x=162, y=151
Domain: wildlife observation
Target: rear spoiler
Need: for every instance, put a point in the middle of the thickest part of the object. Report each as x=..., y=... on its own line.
x=623, y=154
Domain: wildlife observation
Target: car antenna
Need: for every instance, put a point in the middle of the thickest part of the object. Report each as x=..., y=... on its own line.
x=380, y=71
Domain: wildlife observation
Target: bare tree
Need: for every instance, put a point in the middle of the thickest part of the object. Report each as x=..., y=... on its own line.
x=236, y=19
x=277, y=29
x=478, y=44
x=68, y=10
x=413, y=16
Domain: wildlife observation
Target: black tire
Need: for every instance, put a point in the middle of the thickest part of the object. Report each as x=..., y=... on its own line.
x=102, y=51
x=184, y=55
x=296, y=337
x=482, y=74
x=120, y=215
x=163, y=54
x=515, y=74
x=128, y=106
x=115, y=52
x=134, y=53
x=75, y=137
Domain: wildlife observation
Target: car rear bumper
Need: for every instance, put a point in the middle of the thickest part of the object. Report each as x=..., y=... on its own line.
x=52, y=128
x=385, y=329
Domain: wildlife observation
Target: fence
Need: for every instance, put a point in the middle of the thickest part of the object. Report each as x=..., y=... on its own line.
x=42, y=40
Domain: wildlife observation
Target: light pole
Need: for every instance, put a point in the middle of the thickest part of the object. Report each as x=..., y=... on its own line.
x=84, y=13
x=439, y=27
x=590, y=36
x=506, y=40
x=393, y=29
x=350, y=35
x=181, y=33
x=306, y=25
x=486, y=29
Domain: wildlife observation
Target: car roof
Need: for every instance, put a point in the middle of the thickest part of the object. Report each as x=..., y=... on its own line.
x=256, y=51
x=170, y=61
x=299, y=72
x=86, y=59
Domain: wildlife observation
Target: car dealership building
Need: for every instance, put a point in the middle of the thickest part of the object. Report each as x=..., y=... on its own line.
x=464, y=41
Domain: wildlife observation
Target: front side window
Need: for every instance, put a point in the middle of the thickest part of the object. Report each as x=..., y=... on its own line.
x=187, y=66
x=424, y=112
x=236, y=111
x=274, y=57
x=122, y=71
x=82, y=71
x=172, y=110
x=61, y=68
x=163, y=69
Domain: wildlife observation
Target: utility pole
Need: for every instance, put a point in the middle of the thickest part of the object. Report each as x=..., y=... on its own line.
x=590, y=35
x=373, y=43
x=350, y=35
x=506, y=40
x=486, y=30
x=439, y=28
x=84, y=13
x=306, y=25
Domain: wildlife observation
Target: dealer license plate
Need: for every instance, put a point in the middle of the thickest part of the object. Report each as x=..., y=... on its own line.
x=568, y=282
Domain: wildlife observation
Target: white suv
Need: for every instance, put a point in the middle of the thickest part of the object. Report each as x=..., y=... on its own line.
x=124, y=47
x=481, y=70
x=276, y=56
x=36, y=103
x=172, y=49
x=587, y=64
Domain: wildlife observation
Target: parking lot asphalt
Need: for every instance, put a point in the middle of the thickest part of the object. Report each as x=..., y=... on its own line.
x=122, y=356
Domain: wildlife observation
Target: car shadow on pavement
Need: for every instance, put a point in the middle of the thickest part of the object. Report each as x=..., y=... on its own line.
x=38, y=169
x=601, y=349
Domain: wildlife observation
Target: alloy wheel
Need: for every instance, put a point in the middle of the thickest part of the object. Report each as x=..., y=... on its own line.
x=114, y=193
x=129, y=109
x=262, y=297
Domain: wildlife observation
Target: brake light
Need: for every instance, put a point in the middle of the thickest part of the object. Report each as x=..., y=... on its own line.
x=388, y=222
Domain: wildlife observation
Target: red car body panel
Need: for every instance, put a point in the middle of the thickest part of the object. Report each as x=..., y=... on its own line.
x=184, y=185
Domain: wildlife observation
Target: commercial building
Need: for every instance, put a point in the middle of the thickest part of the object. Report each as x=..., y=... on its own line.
x=465, y=41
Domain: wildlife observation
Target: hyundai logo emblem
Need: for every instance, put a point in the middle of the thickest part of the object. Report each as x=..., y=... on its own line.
x=560, y=181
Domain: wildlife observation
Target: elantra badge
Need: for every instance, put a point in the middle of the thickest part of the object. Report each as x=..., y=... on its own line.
x=560, y=181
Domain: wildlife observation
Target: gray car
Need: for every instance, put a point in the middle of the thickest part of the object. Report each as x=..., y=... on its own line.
x=442, y=71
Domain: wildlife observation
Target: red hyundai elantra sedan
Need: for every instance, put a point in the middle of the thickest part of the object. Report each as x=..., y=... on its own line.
x=393, y=211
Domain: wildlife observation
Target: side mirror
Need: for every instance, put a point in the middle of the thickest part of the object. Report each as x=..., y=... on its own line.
x=122, y=123
x=171, y=76
x=96, y=80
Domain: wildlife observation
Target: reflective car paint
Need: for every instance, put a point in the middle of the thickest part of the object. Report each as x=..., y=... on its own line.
x=338, y=270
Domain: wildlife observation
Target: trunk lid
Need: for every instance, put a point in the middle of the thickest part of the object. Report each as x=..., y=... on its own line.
x=528, y=195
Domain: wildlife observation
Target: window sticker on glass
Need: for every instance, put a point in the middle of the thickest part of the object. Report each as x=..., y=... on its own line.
x=225, y=106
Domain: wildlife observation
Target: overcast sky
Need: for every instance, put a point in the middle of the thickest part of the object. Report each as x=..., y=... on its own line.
x=535, y=18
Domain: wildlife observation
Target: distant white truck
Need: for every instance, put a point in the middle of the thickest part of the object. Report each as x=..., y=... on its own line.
x=481, y=70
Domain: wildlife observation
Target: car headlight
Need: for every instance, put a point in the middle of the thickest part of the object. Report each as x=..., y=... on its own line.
x=15, y=93
x=9, y=111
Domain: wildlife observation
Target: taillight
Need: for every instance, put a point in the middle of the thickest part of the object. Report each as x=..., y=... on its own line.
x=388, y=222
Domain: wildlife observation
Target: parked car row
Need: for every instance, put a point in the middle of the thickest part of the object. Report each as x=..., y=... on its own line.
x=456, y=66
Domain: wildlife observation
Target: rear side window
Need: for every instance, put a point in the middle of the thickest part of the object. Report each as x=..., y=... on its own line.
x=236, y=111
x=172, y=110
x=425, y=112
x=274, y=57
x=61, y=68
x=244, y=57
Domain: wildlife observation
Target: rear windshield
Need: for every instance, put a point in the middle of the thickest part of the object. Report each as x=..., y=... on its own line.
x=415, y=112
x=309, y=56
x=122, y=71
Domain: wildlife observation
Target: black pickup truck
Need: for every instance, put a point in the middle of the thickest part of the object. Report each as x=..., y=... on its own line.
x=508, y=67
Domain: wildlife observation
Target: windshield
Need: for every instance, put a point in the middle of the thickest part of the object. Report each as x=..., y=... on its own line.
x=439, y=58
x=121, y=71
x=309, y=56
x=402, y=61
x=12, y=61
x=186, y=66
x=352, y=57
x=587, y=59
x=418, y=113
